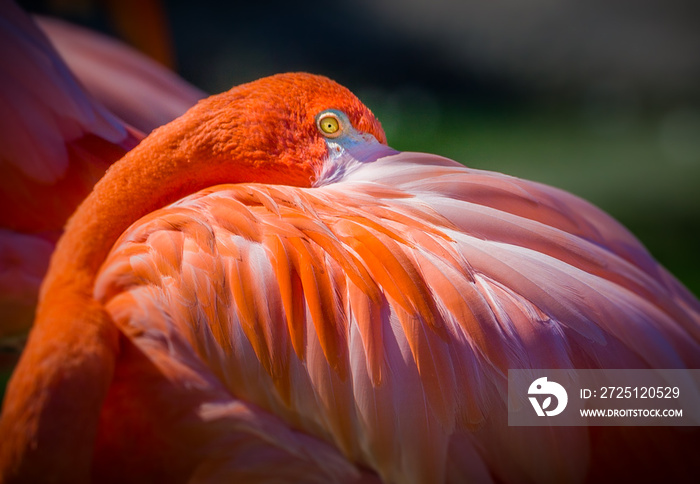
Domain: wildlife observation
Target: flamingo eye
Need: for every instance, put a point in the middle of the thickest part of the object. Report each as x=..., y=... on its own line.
x=329, y=125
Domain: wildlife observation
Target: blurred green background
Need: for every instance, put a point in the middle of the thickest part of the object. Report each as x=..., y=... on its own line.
x=601, y=98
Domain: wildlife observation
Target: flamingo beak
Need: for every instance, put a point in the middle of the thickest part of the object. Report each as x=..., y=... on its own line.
x=348, y=152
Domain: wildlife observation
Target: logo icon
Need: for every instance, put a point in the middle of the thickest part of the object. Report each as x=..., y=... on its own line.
x=543, y=387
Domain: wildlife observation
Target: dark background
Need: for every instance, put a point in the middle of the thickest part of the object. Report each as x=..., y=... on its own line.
x=599, y=97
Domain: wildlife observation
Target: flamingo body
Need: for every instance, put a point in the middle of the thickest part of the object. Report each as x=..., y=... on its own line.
x=263, y=290
x=412, y=276
x=57, y=140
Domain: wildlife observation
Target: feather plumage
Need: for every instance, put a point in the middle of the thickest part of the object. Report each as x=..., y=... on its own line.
x=404, y=290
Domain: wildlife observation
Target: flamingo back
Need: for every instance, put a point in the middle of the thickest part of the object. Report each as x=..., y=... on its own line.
x=381, y=312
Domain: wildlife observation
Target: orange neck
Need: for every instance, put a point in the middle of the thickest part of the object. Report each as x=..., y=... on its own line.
x=181, y=158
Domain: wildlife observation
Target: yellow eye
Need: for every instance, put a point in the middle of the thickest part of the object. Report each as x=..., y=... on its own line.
x=329, y=125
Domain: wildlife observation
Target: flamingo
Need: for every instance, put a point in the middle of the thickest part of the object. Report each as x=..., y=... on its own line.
x=263, y=290
x=56, y=139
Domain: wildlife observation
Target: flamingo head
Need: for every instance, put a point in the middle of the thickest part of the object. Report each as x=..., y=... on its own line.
x=287, y=128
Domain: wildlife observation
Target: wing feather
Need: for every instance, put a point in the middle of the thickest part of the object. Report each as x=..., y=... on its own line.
x=44, y=105
x=382, y=312
x=137, y=89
